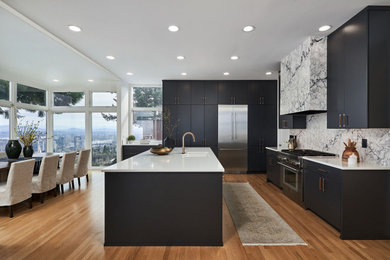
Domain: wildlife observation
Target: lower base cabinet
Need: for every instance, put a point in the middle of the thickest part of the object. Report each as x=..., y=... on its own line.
x=356, y=202
x=256, y=159
x=273, y=168
x=132, y=150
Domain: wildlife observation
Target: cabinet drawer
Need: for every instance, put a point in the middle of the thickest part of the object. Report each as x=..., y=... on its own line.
x=328, y=172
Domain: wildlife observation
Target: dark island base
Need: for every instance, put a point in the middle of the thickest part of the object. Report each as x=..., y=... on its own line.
x=163, y=209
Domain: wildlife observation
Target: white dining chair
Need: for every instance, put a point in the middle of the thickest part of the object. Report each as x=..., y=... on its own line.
x=18, y=185
x=46, y=179
x=66, y=172
x=81, y=168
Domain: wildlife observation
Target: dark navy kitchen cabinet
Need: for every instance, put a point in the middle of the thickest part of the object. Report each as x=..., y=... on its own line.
x=176, y=92
x=359, y=71
x=292, y=121
x=262, y=92
x=204, y=92
x=233, y=92
x=273, y=168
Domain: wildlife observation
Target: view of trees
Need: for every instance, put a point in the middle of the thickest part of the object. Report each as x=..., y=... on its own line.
x=147, y=97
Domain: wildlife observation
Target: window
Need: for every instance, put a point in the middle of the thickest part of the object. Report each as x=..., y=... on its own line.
x=25, y=116
x=68, y=132
x=107, y=99
x=69, y=99
x=147, y=97
x=103, y=139
x=147, y=113
x=30, y=95
x=4, y=127
x=147, y=125
x=4, y=89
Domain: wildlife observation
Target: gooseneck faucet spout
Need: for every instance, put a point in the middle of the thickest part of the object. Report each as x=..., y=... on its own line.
x=183, y=149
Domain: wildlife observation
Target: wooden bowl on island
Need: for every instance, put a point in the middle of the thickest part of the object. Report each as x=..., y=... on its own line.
x=160, y=150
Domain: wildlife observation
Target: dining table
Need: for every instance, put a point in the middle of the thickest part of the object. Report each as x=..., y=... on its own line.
x=5, y=163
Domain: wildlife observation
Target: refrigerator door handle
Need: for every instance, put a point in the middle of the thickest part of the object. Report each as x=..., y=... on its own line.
x=235, y=126
x=232, y=126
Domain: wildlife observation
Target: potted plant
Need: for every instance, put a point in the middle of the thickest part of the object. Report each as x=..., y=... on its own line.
x=130, y=139
x=28, y=135
x=170, y=127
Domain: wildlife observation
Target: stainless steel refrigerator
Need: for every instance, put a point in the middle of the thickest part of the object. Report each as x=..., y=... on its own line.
x=233, y=137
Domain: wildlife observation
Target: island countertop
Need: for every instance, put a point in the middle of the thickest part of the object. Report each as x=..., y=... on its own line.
x=196, y=159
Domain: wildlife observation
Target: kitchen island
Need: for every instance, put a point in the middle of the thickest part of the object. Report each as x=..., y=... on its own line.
x=169, y=200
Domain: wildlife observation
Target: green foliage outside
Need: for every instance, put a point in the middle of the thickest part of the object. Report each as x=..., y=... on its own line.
x=147, y=97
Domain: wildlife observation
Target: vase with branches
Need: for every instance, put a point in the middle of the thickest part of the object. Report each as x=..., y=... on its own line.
x=28, y=134
x=170, y=126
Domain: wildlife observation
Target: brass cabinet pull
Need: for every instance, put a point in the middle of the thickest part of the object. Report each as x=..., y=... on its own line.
x=339, y=120
x=344, y=120
x=323, y=185
x=322, y=170
x=260, y=100
x=319, y=183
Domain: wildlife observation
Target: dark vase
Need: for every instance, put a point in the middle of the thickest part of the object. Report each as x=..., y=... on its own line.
x=169, y=142
x=28, y=151
x=13, y=149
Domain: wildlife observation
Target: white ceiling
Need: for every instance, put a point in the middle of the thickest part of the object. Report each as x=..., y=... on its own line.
x=135, y=32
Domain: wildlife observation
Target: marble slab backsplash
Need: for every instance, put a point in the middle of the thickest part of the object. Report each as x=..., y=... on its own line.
x=303, y=77
x=316, y=136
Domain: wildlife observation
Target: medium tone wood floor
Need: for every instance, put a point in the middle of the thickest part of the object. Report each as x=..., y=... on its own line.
x=71, y=227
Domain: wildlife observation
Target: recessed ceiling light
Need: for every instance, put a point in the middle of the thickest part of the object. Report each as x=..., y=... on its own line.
x=74, y=28
x=268, y=73
x=226, y=73
x=248, y=28
x=55, y=80
x=90, y=80
x=109, y=57
x=180, y=57
x=130, y=73
x=173, y=28
x=324, y=28
x=234, y=57
x=184, y=73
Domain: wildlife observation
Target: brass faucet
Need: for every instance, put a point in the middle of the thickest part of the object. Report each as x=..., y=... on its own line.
x=183, y=149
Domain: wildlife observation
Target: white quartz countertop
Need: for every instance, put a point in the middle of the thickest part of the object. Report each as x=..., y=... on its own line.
x=337, y=162
x=276, y=149
x=140, y=143
x=196, y=159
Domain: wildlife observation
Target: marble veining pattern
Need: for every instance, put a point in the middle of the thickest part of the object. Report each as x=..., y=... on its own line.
x=303, y=77
x=317, y=136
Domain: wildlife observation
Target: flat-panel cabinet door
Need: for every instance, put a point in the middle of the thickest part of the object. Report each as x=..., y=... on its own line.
x=262, y=92
x=197, y=93
x=240, y=92
x=270, y=92
x=169, y=92
x=184, y=116
x=256, y=159
x=273, y=168
x=197, y=125
x=211, y=125
x=268, y=130
x=183, y=92
x=256, y=121
x=225, y=92
x=211, y=92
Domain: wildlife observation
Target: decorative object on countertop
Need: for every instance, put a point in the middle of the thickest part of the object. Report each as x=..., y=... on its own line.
x=13, y=149
x=130, y=139
x=350, y=149
x=169, y=128
x=28, y=134
x=292, y=143
x=160, y=150
x=352, y=160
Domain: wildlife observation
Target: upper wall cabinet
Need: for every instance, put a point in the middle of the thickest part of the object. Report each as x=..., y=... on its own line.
x=262, y=92
x=303, y=78
x=204, y=92
x=359, y=71
x=233, y=92
x=176, y=92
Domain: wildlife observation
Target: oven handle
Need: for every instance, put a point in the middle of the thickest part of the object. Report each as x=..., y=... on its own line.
x=288, y=167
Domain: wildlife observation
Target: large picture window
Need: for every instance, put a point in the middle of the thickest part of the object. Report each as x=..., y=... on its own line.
x=30, y=95
x=147, y=113
x=68, y=132
x=25, y=116
x=103, y=139
x=104, y=99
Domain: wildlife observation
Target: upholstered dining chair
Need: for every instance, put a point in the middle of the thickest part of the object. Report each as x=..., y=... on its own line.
x=81, y=168
x=46, y=179
x=66, y=172
x=18, y=185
